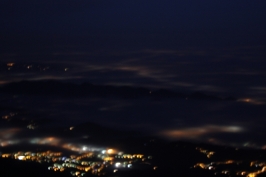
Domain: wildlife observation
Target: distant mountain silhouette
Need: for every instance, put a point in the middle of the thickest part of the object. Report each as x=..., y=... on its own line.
x=51, y=87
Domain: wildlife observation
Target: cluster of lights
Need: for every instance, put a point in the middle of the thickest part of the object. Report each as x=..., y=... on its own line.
x=8, y=116
x=204, y=151
x=11, y=65
x=94, y=162
x=214, y=166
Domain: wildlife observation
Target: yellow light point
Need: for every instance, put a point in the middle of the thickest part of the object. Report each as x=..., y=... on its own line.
x=87, y=168
x=252, y=175
x=108, y=158
x=10, y=64
x=137, y=156
x=202, y=165
x=110, y=151
x=243, y=173
x=6, y=155
x=252, y=163
x=77, y=173
x=229, y=161
x=5, y=117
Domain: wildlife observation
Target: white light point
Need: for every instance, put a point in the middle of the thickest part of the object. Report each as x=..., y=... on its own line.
x=71, y=128
x=118, y=164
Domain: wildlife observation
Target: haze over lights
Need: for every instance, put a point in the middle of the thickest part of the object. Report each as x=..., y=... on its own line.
x=196, y=132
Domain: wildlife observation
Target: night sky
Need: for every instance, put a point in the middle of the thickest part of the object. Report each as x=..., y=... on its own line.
x=213, y=47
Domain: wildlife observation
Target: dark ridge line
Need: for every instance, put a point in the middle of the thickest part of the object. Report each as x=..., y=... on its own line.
x=52, y=87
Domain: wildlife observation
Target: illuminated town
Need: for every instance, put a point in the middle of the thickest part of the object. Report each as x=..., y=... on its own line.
x=93, y=162
x=86, y=160
x=232, y=168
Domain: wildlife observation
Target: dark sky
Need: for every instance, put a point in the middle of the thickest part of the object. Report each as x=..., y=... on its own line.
x=216, y=47
x=131, y=23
